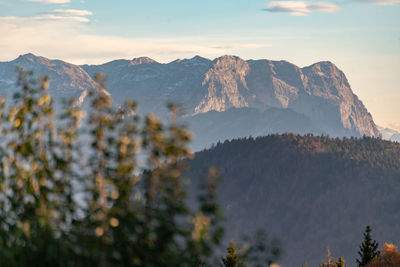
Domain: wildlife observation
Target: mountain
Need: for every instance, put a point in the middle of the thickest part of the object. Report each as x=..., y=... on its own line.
x=319, y=95
x=312, y=193
x=320, y=91
x=395, y=138
x=389, y=134
x=66, y=80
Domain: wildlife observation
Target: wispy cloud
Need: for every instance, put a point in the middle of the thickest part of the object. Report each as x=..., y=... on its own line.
x=65, y=40
x=72, y=12
x=47, y=17
x=301, y=8
x=50, y=1
x=394, y=125
x=71, y=15
x=380, y=2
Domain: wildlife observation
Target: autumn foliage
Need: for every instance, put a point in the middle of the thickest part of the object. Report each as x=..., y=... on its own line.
x=389, y=257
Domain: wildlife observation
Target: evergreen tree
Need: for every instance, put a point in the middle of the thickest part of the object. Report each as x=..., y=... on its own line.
x=233, y=258
x=368, y=248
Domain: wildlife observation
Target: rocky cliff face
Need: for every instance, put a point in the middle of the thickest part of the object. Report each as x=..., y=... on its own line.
x=321, y=91
x=225, y=85
x=326, y=82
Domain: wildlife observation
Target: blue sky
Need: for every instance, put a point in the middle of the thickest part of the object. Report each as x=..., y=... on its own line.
x=362, y=37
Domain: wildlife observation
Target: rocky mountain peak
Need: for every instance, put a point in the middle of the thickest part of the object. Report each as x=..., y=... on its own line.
x=227, y=67
x=28, y=56
x=142, y=60
x=199, y=58
x=27, y=59
x=324, y=69
x=194, y=61
x=228, y=60
x=326, y=81
x=226, y=85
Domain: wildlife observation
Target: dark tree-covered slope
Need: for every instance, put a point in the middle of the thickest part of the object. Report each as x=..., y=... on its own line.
x=311, y=192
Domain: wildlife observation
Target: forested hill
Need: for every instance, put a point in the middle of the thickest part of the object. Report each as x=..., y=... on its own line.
x=373, y=153
x=312, y=192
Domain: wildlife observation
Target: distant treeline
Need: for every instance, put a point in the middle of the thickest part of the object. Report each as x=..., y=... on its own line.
x=368, y=152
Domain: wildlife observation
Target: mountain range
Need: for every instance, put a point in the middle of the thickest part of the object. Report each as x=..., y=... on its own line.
x=389, y=134
x=222, y=98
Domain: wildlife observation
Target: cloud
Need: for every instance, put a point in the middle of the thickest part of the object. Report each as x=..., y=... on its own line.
x=301, y=8
x=66, y=40
x=50, y=1
x=394, y=125
x=380, y=2
x=46, y=17
x=73, y=12
x=67, y=15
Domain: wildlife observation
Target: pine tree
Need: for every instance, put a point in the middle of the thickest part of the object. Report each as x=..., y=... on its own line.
x=233, y=258
x=368, y=248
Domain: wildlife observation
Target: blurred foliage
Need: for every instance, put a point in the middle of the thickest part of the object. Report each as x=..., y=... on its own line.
x=330, y=262
x=260, y=250
x=233, y=257
x=109, y=193
x=77, y=196
x=255, y=251
x=389, y=257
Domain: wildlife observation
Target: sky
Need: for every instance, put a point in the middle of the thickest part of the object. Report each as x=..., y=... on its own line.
x=361, y=37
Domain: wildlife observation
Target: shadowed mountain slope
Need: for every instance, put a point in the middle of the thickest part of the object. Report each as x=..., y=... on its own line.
x=311, y=192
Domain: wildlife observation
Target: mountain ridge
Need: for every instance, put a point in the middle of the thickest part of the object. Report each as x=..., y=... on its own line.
x=228, y=82
x=320, y=91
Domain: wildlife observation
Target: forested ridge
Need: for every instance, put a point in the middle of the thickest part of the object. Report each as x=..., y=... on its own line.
x=370, y=152
x=313, y=192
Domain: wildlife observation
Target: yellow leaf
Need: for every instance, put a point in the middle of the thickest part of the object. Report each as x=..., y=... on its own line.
x=114, y=222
